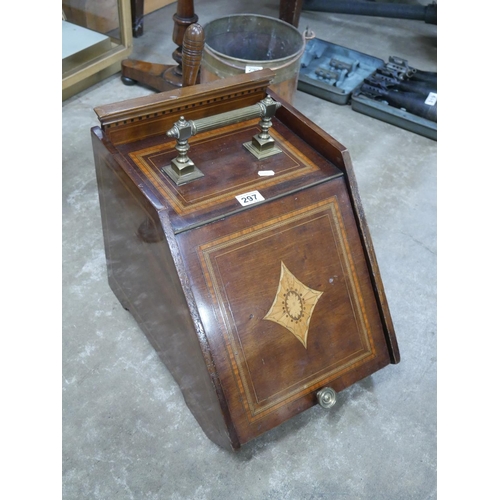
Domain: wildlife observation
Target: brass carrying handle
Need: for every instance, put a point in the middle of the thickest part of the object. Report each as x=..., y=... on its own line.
x=264, y=109
x=182, y=169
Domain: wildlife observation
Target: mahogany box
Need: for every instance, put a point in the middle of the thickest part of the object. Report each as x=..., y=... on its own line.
x=252, y=273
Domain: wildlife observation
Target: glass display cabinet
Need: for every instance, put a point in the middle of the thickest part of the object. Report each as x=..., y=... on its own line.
x=96, y=37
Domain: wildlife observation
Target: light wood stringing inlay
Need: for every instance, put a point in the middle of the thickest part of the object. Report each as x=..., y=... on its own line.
x=254, y=407
x=183, y=206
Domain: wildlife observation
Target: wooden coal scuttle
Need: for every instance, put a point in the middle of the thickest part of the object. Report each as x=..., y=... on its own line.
x=250, y=271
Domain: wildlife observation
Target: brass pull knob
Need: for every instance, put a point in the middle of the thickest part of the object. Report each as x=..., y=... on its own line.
x=327, y=397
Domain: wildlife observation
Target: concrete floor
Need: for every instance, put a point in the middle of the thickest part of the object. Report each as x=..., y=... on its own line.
x=127, y=433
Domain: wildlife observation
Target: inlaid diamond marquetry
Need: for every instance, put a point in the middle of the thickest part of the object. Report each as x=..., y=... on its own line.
x=293, y=305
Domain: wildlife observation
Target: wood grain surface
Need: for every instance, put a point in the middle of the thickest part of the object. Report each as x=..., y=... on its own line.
x=252, y=307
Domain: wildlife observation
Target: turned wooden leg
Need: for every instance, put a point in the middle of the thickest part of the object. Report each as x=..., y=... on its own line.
x=137, y=11
x=163, y=77
x=183, y=18
x=290, y=11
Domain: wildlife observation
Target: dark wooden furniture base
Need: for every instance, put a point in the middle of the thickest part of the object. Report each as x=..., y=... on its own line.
x=260, y=309
x=163, y=77
x=159, y=77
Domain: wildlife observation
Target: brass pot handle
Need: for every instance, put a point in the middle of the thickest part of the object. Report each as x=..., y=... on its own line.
x=327, y=397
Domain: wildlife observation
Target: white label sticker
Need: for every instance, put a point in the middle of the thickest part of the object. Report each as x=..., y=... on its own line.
x=249, y=198
x=266, y=173
x=249, y=69
x=431, y=99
